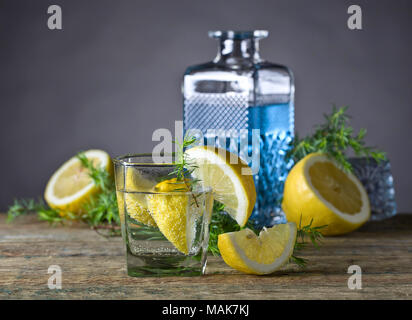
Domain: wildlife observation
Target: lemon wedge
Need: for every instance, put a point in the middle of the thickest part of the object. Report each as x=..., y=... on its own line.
x=170, y=213
x=71, y=186
x=229, y=177
x=136, y=207
x=317, y=188
x=246, y=252
x=135, y=203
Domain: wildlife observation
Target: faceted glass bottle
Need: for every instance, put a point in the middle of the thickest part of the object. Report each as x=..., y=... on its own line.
x=245, y=104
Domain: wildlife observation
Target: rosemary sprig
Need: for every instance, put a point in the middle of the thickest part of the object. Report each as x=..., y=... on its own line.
x=146, y=232
x=100, y=177
x=53, y=216
x=304, y=232
x=102, y=208
x=184, y=167
x=335, y=138
x=25, y=206
x=22, y=207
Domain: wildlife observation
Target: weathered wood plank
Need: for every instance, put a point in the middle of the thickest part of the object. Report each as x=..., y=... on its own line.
x=94, y=267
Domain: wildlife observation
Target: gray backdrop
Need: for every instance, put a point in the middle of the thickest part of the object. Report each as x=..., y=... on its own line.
x=113, y=74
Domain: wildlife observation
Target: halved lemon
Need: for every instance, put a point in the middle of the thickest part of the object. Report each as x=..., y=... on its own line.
x=245, y=251
x=71, y=186
x=317, y=188
x=229, y=177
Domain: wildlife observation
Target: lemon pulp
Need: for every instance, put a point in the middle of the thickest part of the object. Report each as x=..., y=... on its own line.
x=335, y=187
x=73, y=179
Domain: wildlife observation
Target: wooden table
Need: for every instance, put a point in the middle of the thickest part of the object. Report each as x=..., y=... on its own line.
x=93, y=267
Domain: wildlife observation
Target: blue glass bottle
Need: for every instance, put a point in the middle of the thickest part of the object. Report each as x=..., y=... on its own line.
x=241, y=97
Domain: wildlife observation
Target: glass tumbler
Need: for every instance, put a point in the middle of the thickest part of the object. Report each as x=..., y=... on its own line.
x=164, y=220
x=378, y=182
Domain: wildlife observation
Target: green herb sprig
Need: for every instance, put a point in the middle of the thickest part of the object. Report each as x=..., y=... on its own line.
x=303, y=232
x=102, y=208
x=335, y=138
x=25, y=206
x=184, y=167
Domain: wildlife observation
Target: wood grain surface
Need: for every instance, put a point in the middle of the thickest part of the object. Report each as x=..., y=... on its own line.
x=93, y=267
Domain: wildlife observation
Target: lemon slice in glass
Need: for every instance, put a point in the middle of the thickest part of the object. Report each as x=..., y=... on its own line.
x=317, y=188
x=170, y=213
x=71, y=186
x=246, y=252
x=135, y=203
x=229, y=177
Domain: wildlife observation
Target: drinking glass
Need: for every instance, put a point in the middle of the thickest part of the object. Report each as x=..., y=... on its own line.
x=164, y=220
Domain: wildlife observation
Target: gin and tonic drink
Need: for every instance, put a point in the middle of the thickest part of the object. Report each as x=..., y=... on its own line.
x=164, y=219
